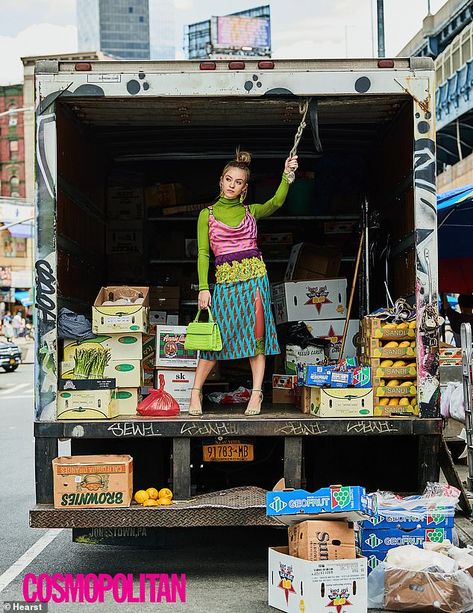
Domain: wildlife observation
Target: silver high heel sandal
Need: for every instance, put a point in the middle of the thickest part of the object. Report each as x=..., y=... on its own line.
x=196, y=411
x=255, y=410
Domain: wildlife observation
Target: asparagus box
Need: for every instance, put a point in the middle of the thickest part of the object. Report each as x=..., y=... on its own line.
x=112, y=313
x=127, y=373
x=86, y=404
x=87, y=384
x=121, y=346
x=126, y=399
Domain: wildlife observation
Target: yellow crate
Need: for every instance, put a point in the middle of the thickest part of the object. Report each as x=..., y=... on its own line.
x=398, y=391
x=395, y=411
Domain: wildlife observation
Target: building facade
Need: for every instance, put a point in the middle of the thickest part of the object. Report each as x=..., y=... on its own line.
x=15, y=239
x=202, y=40
x=163, y=32
x=118, y=28
x=447, y=37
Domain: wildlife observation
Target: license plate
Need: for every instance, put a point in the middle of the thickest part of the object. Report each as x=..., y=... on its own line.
x=229, y=452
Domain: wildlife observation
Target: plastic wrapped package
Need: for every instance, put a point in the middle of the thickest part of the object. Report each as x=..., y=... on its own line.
x=158, y=403
x=238, y=396
x=428, y=590
x=436, y=498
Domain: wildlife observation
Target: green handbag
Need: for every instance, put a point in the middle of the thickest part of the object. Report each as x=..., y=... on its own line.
x=203, y=335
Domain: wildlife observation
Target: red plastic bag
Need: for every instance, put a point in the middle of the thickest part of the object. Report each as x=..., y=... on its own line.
x=158, y=403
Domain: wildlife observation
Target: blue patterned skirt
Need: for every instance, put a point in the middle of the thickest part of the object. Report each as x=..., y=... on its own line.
x=234, y=309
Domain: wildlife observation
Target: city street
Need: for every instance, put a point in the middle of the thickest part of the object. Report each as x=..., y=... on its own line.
x=226, y=570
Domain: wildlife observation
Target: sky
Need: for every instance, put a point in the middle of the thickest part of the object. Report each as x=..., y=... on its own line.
x=317, y=29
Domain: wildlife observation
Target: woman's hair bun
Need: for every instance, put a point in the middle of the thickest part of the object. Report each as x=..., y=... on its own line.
x=243, y=157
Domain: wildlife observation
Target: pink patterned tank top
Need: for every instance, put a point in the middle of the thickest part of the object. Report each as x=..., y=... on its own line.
x=237, y=257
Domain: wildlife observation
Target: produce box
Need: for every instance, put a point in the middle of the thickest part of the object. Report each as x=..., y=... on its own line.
x=350, y=502
x=377, y=328
x=87, y=384
x=124, y=202
x=166, y=194
x=93, y=481
x=295, y=356
x=398, y=391
x=128, y=373
x=332, y=331
x=164, y=297
x=310, y=300
x=163, y=318
x=86, y=404
x=177, y=383
x=385, y=522
x=332, y=376
x=284, y=388
x=121, y=346
x=126, y=399
x=149, y=358
x=170, y=351
x=405, y=369
x=299, y=585
x=395, y=410
x=124, y=237
x=311, y=262
x=348, y=402
x=373, y=539
x=132, y=317
x=375, y=348
x=322, y=540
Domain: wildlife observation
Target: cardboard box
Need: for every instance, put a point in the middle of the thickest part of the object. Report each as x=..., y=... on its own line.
x=164, y=298
x=296, y=355
x=163, y=318
x=120, y=317
x=394, y=411
x=276, y=244
x=332, y=331
x=127, y=373
x=332, y=376
x=375, y=349
x=93, y=481
x=170, y=352
x=125, y=237
x=284, y=388
x=121, y=346
x=177, y=383
x=423, y=591
x=378, y=328
x=322, y=540
x=349, y=402
x=124, y=202
x=87, y=384
x=311, y=262
x=310, y=300
x=397, y=391
x=149, y=358
x=166, y=195
x=374, y=539
x=299, y=585
x=126, y=399
x=434, y=520
x=350, y=502
x=408, y=371
x=86, y=404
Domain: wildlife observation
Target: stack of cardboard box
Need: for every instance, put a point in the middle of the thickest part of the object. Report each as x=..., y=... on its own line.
x=390, y=350
x=174, y=365
x=320, y=567
x=111, y=386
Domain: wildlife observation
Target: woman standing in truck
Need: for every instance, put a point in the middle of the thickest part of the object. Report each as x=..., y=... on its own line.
x=241, y=302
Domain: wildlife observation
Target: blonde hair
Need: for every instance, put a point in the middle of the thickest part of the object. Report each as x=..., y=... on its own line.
x=242, y=161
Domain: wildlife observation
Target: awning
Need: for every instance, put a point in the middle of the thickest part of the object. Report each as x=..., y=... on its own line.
x=455, y=240
x=25, y=297
x=21, y=230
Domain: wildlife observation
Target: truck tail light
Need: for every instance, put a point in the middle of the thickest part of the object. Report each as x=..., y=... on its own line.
x=83, y=66
x=236, y=65
x=207, y=65
x=265, y=64
x=385, y=63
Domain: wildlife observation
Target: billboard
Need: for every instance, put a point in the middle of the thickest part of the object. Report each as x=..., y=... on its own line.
x=237, y=32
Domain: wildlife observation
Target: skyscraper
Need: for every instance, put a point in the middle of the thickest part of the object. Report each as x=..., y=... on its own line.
x=119, y=28
x=162, y=30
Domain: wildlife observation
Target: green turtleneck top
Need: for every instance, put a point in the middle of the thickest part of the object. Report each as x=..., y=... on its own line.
x=231, y=213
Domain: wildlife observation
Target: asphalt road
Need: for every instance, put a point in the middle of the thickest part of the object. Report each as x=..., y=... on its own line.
x=226, y=569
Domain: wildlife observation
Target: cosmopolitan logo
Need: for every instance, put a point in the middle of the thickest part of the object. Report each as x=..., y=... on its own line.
x=91, y=498
x=149, y=587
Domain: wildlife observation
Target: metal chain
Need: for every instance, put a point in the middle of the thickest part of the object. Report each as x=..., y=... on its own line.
x=303, y=109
